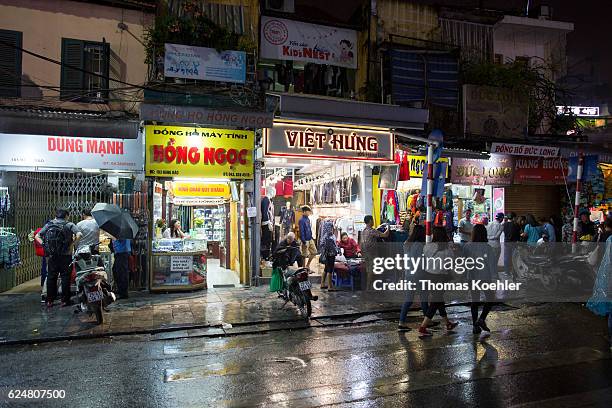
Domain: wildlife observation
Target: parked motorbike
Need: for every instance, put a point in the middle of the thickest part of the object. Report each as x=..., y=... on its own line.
x=296, y=284
x=94, y=293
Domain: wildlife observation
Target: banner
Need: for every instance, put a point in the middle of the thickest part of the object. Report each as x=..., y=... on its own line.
x=497, y=171
x=71, y=152
x=524, y=150
x=439, y=171
x=418, y=164
x=318, y=142
x=193, y=189
x=175, y=151
x=283, y=39
x=589, y=168
x=538, y=170
x=186, y=61
x=494, y=112
x=211, y=117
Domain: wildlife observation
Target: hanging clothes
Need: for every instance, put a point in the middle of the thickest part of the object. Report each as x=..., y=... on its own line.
x=404, y=172
x=9, y=250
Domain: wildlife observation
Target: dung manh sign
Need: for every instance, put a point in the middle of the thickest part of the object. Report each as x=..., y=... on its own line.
x=339, y=143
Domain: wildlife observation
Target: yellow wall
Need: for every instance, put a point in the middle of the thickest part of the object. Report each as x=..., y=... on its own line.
x=44, y=23
x=375, y=199
x=234, y=238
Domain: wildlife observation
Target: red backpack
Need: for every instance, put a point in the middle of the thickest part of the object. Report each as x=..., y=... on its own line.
x=38, y=248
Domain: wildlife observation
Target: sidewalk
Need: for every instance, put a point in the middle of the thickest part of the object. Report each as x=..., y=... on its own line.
x=212, y=312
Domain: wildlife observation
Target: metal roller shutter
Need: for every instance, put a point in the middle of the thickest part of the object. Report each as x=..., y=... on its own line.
x=541, y=201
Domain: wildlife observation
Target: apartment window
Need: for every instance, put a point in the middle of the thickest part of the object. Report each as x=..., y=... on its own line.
x=91, y=84
x=10, y=63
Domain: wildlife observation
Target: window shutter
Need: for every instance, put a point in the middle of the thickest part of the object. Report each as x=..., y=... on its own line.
x=72, y=80
x=10, y=63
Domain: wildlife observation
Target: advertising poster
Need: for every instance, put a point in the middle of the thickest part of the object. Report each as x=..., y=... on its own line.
x=185, y=61
x=496, y=171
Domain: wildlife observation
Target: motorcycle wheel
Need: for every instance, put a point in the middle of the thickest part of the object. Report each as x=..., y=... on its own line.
x=520, y=267
x=304, y=305
x=99, y=315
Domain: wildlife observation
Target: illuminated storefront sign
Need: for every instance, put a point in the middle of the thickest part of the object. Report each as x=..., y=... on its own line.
x=417, y=164
x=578, y=110
x=496, y=171
x=317, y=142
x=189, y=189
x=173, y=151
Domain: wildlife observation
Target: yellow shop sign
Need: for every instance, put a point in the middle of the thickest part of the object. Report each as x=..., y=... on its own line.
x=417, y=165
x=187, y=189
x=173, y=151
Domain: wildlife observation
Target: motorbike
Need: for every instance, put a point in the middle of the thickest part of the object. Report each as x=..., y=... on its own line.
x=296, y=284
x=94, y=293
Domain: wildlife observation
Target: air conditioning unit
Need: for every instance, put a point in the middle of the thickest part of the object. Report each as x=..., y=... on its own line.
x=545, y=12
x=281, y=6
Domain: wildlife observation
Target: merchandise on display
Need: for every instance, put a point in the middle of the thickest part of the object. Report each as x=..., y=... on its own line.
x=9, y=248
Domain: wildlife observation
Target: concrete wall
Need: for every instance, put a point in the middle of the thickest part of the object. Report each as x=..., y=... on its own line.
x=45, y=22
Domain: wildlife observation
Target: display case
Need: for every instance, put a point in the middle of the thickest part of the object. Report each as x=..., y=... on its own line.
x=178, y=264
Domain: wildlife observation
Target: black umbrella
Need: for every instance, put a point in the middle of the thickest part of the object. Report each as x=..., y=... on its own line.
x=113, y=220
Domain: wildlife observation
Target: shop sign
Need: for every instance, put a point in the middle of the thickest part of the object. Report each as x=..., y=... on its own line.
x=186, y=61
x=497, y=171
x=194, y=202
x=174, y=151
x=583, y=111
x=498, y=201
x=193, y=114
x=71, y=152
x=601, y=157
x=494, y=112
x=187, y=189
x=283, y=39
x=524, y=150
x=538, y=170
x=181, y=263
x=418, y=164
x=316, y=142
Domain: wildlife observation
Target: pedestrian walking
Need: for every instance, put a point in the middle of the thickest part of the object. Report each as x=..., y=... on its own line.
x=600, y=301
x=328, y=250
x=532, y=231
x=465, y=226
x=122, y=248
x=57, y=238
x=494, y=232
x=369, y=237
x=512, y=234
x=90, y=231
x=39, y=250
x=438, y=248
x=309, y=249
x=478, y=248
x=413, y=247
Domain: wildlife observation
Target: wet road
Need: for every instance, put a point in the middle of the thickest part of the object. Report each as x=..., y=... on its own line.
x=544, y=356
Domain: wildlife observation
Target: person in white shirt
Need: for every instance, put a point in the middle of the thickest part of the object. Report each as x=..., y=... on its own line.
x=494, y=232
x=466, y=226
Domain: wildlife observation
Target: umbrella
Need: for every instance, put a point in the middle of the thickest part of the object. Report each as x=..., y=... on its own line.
x=113, y=220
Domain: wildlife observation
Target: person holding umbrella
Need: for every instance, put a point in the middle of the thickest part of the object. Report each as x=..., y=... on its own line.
x=123, y=229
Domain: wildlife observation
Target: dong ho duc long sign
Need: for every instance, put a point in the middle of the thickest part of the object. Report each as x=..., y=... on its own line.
x=318, y=142
x=71, y=152
x=172, y=151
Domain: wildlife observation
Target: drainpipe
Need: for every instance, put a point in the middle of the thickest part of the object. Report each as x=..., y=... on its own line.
x=577, y=200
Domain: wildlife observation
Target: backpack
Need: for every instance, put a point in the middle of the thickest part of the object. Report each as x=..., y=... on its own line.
x=57, y=238
x=38, y=248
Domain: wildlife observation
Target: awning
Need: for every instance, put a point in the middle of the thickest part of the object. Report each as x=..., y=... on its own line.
x=64, y=123
x=347, y=112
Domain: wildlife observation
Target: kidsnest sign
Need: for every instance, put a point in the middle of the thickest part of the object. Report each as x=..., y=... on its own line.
x=173, y=151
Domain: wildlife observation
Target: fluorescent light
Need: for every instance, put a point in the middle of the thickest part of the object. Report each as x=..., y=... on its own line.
x=202, y=180
x=91, y=170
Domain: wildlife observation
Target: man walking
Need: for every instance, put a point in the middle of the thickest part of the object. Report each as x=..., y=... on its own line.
x=309, y=249
x=57, y=238
x=512, y=234
x=122, y=249
x=494, y=232
x=369, y=237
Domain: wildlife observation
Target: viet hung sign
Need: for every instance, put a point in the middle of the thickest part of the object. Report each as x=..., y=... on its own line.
x=71, y=152
x=294, y=40
x=172, y=151
x=317, y=142
x=186, y=61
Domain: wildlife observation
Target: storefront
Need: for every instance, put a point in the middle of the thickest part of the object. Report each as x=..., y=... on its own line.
x=197, y=178
x=39, y=173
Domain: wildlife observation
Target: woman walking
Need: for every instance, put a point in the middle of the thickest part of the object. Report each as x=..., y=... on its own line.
x=600, y=302
x=413, y=247
x=436, y=274
x=328, y=250
x=479, y=248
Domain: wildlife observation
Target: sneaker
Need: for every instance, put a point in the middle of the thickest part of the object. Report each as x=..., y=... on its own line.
x=403, y=328
x=476, y=329
x=423, y=332
x=43, y=299
x=483, y=325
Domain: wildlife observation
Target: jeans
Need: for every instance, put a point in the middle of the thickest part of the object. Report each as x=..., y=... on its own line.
x=486, y=306
x=410, y=300
x=59, y=265
x=43, y=271
x=122, y=273
x=508, y=251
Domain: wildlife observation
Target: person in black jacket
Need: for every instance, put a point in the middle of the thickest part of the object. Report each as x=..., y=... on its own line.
x=512, y=234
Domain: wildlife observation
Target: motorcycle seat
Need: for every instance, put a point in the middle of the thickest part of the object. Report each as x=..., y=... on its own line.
x=291, y=271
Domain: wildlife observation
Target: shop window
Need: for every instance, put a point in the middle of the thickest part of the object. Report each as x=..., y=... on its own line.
x=10, y=63
x=90, y=85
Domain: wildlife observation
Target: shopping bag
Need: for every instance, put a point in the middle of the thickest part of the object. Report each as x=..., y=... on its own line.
x=276, y=281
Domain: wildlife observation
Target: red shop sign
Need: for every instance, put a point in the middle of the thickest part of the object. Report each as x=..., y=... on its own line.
x=537, y=170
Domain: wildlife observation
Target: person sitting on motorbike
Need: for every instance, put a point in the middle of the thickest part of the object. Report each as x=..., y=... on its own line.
x=292, y=248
